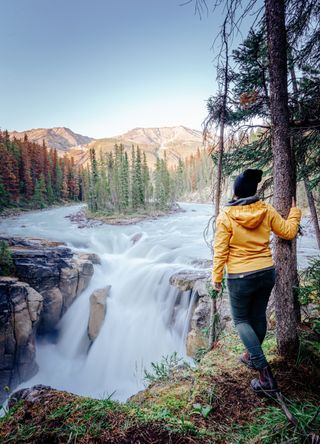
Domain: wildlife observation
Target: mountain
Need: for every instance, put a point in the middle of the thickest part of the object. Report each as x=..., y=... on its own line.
x=61, y=138
x=177, y=142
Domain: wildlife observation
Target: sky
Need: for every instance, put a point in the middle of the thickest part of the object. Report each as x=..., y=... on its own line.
x=103, y=67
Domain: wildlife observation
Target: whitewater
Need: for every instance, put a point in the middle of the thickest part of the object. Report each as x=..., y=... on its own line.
x=146, y=318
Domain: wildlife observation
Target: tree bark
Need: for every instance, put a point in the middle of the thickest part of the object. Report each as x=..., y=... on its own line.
x=283, y=176
x=217, y=194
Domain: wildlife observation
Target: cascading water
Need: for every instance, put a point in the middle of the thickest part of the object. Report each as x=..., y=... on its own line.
x=146, y=317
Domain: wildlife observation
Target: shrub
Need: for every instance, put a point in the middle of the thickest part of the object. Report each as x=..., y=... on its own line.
x=309, y=290
x=6, y=262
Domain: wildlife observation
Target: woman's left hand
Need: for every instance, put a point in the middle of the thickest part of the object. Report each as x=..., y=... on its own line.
x=217, y=286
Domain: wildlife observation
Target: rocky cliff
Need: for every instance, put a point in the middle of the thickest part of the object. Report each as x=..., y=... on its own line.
x=199, y=282
x=48, y=278
x=20, y=308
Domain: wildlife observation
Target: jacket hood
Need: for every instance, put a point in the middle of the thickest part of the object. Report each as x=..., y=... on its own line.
x=242, y=201
x=249, y=216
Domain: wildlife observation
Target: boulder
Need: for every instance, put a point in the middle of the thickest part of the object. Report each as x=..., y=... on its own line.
x=98, y=307
x=20, y=308
x=36, y=394
x=197, y=337
x=199, y=281
x=136, y=237
x=52, y=309
x=185, y=280
x=92, y=257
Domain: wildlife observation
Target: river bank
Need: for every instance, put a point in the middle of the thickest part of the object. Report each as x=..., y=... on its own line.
x=85, y=219
x=6, y=213
x=211, y=403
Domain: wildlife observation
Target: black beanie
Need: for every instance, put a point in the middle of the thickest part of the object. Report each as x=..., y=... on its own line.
x=246, y=183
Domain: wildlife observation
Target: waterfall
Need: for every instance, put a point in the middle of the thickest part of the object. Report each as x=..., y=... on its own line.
x=146, y=317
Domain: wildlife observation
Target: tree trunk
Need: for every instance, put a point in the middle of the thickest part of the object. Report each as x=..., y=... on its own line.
x=217, y=196
x=283, y=176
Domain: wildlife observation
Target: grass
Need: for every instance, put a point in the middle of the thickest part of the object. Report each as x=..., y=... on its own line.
x=211, y=403
x=272, y=426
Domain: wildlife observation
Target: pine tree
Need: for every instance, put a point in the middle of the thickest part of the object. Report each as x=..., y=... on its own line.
x=26, y=178
x=7, y=267
x=40, y=192
x=134, y=183
x=146, y=179
x=124, y=182
x=283, y=174
x=50, y=193
x=4, y=196
x=139, y=179
x=93, y=182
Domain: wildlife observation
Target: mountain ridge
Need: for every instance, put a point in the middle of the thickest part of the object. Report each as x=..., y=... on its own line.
x=60, y=137
x=176, y=141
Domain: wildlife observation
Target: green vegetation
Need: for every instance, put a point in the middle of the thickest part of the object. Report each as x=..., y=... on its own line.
x=120, y=183
x=210, y=403
x=162, y=371
x=6, y=262
x=272, y=426
x=117, y=184
x=309, y=292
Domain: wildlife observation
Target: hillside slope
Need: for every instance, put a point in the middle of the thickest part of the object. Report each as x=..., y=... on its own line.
x=60, y=138
x=177, y=142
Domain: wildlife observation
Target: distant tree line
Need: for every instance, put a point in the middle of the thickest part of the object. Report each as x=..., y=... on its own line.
x=122, y=182
x=33, y=176
x=192, y=175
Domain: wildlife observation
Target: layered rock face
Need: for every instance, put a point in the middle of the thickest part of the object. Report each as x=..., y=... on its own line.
x=198, y=281
x=20, y=308
x=54, y=271
x=49, y=276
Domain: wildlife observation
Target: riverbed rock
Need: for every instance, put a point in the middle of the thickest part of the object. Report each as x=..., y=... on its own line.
x=98, y=308
x=199, y=282
x=197, y=337
x=20, y=308
x=136, y=237
x=186, y=279
x=36, y=394
x=53, y=270
x=92, y=257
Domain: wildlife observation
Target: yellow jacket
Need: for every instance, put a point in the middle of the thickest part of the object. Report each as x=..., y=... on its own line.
x=242, y=237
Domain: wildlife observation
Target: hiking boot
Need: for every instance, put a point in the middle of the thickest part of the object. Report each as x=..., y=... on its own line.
x=246, y=360
x=266, y=385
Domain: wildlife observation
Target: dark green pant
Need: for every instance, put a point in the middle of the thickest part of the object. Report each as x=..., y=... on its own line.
x=249, y=298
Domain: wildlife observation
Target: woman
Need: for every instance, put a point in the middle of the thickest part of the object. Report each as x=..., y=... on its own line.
x=242, y=244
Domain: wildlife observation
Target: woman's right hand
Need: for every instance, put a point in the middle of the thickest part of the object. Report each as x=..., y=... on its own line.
x=293, y=204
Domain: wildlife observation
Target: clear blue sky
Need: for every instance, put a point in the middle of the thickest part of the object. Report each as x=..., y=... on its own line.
x=102, y=67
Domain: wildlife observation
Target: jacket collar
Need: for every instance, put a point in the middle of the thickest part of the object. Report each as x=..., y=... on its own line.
x=243, y=201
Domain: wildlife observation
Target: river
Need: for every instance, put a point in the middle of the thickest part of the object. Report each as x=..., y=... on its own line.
x=146, y=319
